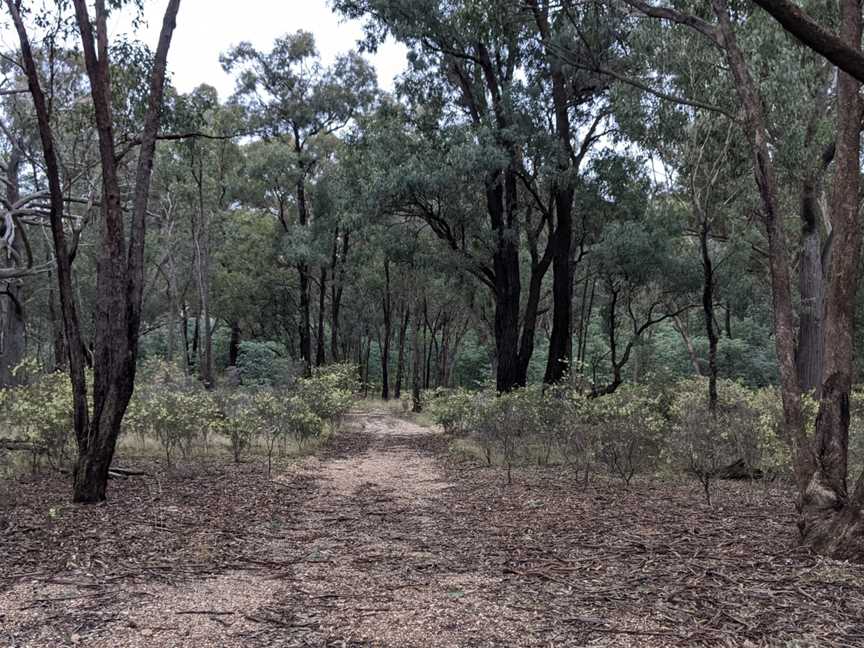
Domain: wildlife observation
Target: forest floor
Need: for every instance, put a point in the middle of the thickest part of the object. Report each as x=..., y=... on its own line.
x=385, y=540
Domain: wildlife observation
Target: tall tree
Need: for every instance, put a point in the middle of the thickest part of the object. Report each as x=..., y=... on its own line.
x=297, y=101
x=120, y=269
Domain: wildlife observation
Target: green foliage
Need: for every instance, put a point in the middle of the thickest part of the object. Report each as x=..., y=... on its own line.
x=630, y=425
x=636, y=429
x=265, y=363
x=174, y=409
x=451, y=409
x=39, y=412
x=179, y=413
x=329, y=392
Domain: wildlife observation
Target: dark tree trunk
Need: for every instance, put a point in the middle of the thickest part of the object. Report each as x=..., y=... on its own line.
x=728, y=320
x=196, y=342
x=708, y=309
x=305, y=326
x=561, y=339
x=234, y=344
x=400, y=364
x=586, y=307
x=811, y=275
x=336, y=287
x=303, y=272
x=384, y=345
x=58, y=337
x=416, y=362
x=119, y=268
x=365, y=363
x=500, y=198
x=187, y=348
x=202, y=273
x=429, y=341
x=322, y=293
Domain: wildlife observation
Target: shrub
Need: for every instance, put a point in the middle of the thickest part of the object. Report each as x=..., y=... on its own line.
x=452, y=409
x=630, y=423
x=329, y=392
x=171, y=407
x=240, y=422
x=39, y=412
x=276, y=416
x=266, y=363
x=742, y=429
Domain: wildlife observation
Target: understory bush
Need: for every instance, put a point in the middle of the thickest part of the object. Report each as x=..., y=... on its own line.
x=177, y=412
x=38, y=415
x=636, y=429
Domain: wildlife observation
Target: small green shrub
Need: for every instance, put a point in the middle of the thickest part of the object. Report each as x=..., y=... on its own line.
x=452, y=409
x=630, y=426
x=39, y=412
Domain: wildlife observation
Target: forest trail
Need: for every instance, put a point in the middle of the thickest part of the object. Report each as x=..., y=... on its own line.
x=383, y=540
x=349, y=553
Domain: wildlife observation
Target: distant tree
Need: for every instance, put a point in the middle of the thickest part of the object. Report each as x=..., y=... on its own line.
x=296, y=101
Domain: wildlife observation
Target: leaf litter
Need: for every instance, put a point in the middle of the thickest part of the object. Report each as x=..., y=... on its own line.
x=383, y=540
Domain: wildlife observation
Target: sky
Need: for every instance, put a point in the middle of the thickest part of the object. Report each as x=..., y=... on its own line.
x=206, y=28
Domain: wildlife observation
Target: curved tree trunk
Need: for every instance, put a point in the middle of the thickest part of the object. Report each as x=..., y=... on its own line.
x=13, y=340
x=708, y=310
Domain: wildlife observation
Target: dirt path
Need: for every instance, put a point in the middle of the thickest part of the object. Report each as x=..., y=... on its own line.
x=383, y=541
x=346, y=561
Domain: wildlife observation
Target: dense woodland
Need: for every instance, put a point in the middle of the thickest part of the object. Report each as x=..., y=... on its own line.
x=615, y=235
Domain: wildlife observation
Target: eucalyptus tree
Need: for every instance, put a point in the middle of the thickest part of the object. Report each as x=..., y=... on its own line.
x=25, y=260
x=120, y=271
x=831, y=512
x=296, y=101
x=203, y=183
x=644, y=279
x=464, y=93
x=572, y=37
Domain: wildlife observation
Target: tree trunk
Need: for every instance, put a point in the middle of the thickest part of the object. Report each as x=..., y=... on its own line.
x=831, y=522
x=500, y=202
x=13, y=340
x=386, y=308
x=417, y=404
x=58, y=337
x=778, y=261
x=811, y=281
x=173, y=307
x=708, y=309
x=303, y=272
x=561, y=338
x=322, y=294
x=365, y=363
x=400, y=364
x=234, y=344
x=336, y=287
x=202, y=271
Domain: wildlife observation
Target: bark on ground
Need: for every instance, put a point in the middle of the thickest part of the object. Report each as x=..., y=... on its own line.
x=384, y=540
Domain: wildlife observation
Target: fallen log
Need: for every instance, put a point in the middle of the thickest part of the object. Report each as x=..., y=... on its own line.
x=21, y=445
x=129, y=473
x=738, y=470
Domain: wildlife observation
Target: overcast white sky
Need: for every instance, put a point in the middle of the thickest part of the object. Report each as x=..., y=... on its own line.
x=206, y=28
